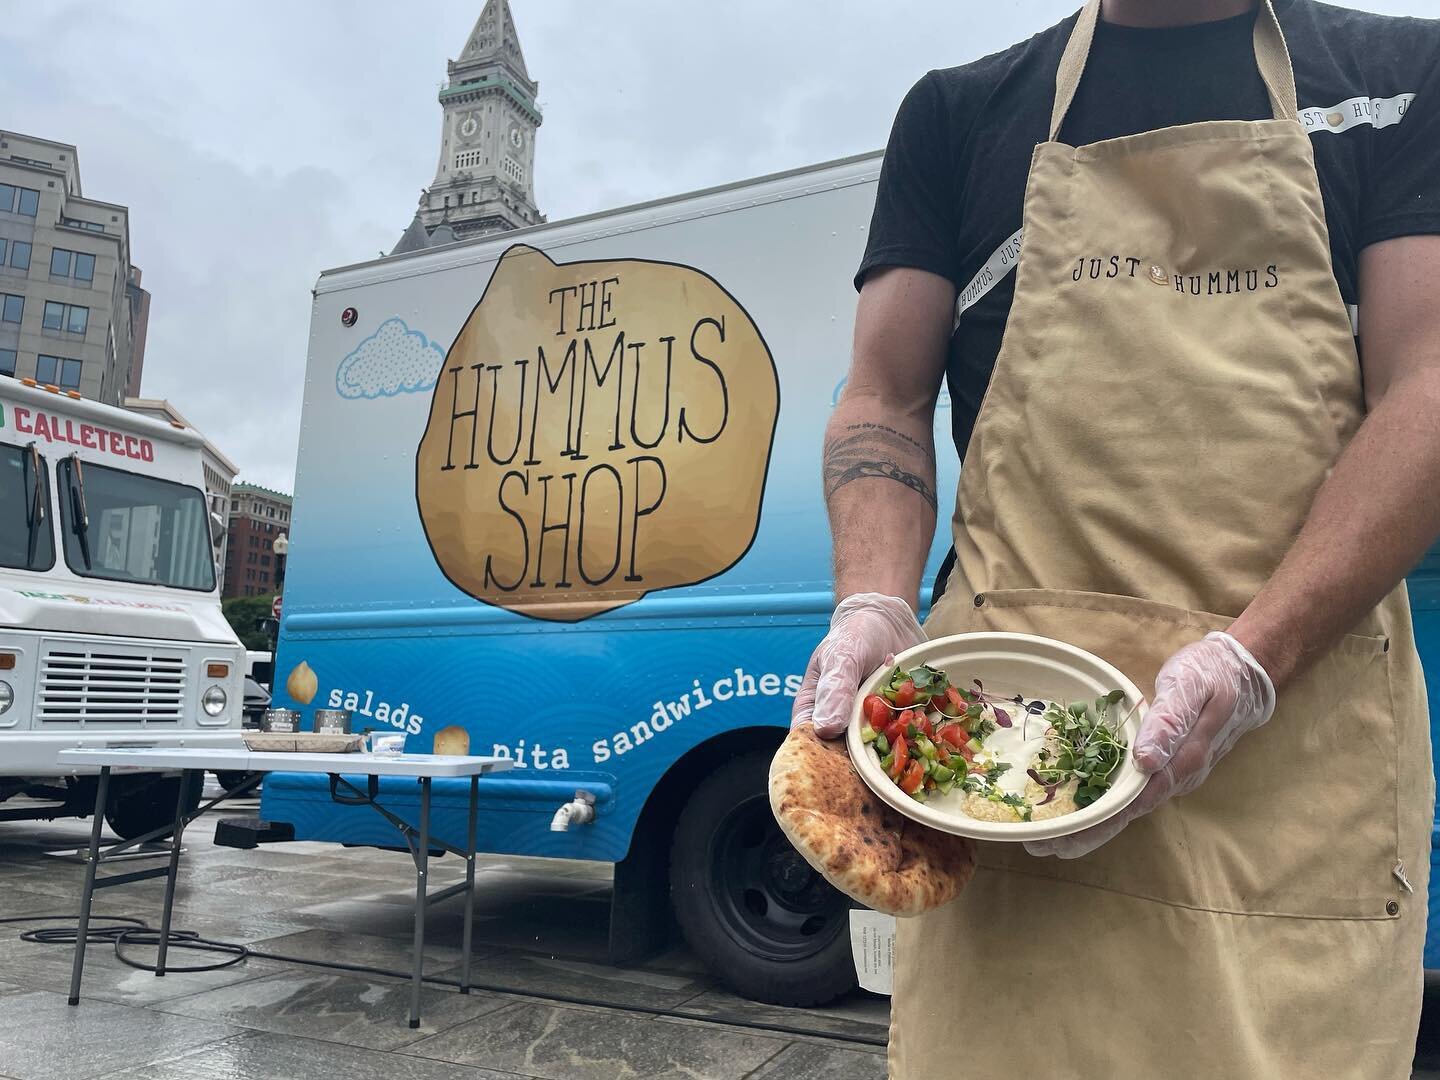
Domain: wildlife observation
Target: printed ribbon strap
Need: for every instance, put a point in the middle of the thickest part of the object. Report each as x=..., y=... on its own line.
x=1006, y=256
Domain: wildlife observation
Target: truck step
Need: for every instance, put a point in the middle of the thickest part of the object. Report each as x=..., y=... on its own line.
x=246, y=833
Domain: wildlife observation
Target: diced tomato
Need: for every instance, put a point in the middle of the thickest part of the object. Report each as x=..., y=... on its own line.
x=905, y=694
x=876, y=712
x=954, y=734
x=942, y=753
x=913, y=778
x=923, y=725
x=901, y=749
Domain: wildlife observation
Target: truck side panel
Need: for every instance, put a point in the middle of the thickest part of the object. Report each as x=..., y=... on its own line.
x=608, y=702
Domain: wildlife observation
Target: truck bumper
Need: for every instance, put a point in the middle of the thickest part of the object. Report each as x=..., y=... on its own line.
x=32, y=753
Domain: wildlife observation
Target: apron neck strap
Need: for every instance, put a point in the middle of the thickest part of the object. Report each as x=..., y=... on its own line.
x=1271, y=56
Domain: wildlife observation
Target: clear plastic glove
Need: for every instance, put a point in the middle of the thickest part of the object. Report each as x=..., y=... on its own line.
x=1206, y=696
x=865, y=630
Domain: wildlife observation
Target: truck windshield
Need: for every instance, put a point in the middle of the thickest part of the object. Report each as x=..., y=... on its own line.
x=26, y=540
x=127, y=527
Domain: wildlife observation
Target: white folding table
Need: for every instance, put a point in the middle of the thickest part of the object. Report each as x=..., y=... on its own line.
x=424, y=768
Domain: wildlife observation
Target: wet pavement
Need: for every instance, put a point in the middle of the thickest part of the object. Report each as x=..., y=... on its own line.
x=540, y=931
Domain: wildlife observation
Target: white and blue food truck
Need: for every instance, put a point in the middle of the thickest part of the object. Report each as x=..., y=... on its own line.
x=111, y=632
x=559, y=500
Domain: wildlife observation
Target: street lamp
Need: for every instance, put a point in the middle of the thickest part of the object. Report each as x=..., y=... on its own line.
x=281, y=546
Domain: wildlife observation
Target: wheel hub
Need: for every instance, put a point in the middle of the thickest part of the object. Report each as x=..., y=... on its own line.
x=789, y=875
x=767, y=894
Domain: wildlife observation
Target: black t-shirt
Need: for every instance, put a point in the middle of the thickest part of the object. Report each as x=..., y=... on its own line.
x=953, y=182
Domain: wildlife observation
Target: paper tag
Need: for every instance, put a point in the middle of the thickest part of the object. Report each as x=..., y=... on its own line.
x=872, y=943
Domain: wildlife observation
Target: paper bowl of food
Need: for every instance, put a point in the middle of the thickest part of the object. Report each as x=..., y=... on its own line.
x=991, y=736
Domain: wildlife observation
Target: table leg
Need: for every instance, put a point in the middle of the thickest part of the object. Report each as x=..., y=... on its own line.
x=102, y=789
x=422, y=865
x=469, y=886
x=175, y=837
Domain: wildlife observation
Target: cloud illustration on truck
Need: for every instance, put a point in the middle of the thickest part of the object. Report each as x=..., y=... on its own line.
x=393, y=360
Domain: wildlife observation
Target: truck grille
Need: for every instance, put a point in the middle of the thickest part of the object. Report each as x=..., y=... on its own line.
x=100, y=685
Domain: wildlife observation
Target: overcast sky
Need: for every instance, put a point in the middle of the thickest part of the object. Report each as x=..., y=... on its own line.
x=259, y=143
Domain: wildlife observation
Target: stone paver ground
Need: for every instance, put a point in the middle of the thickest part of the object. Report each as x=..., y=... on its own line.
x=540, y=930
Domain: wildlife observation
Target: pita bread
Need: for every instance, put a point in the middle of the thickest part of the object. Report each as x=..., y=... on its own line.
x=865, y=849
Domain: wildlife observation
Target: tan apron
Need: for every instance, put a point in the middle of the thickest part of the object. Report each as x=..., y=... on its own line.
x=1177, y=377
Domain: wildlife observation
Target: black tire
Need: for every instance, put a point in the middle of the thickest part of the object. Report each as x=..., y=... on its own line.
x=140, y=804
x=232, y=780
x=753, y=910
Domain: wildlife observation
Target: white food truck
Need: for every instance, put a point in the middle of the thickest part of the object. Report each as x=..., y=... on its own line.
x=111, y=632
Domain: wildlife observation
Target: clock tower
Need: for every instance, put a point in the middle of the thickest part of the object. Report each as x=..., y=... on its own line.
x=484, y=179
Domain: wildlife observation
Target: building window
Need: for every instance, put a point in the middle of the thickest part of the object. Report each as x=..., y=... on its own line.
x=58, y=371
x=264, y=560
x=467, y=159
x=76, y=264
x=514, y=169
x=234, y=505
x=76, y=223
x=7, y=362
x=71, y=318
x=12, y=308
x=19, y=200
x=19, y=255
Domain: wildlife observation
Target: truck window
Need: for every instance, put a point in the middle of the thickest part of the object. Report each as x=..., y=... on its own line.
x=127, y=527
x=26, y=539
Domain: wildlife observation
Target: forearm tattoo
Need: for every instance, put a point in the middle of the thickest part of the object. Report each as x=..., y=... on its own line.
x=871, y=450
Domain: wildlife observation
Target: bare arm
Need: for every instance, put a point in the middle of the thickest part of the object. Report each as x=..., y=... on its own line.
x=1379, y=510
x=879, y=462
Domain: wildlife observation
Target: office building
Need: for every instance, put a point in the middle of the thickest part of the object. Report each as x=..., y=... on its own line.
x=67, y=303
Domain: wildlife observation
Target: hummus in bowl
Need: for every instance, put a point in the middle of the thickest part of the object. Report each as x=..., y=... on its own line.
x=999, y=736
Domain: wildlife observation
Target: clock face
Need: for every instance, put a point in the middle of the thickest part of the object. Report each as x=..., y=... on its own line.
x=469, y=126
x=517, y=139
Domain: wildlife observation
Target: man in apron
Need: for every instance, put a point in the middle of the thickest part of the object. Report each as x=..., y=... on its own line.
x=1181, y=464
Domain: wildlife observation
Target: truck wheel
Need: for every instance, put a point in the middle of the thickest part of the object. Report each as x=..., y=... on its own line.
x=232, y=780
x=141, y=804
x=754, y=911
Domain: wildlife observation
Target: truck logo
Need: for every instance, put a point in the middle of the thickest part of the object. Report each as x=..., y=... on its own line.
x=63, y=429
x=599, y=430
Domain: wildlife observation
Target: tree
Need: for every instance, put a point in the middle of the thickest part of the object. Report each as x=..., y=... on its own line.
x=244, y=614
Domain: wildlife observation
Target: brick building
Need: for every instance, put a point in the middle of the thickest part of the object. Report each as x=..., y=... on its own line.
x=258, y=516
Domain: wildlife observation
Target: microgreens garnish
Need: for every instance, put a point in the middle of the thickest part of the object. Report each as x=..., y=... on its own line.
x=1089, y=748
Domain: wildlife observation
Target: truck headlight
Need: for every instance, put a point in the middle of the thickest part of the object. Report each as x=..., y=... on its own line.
x=7, y=696
x=213, y=701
